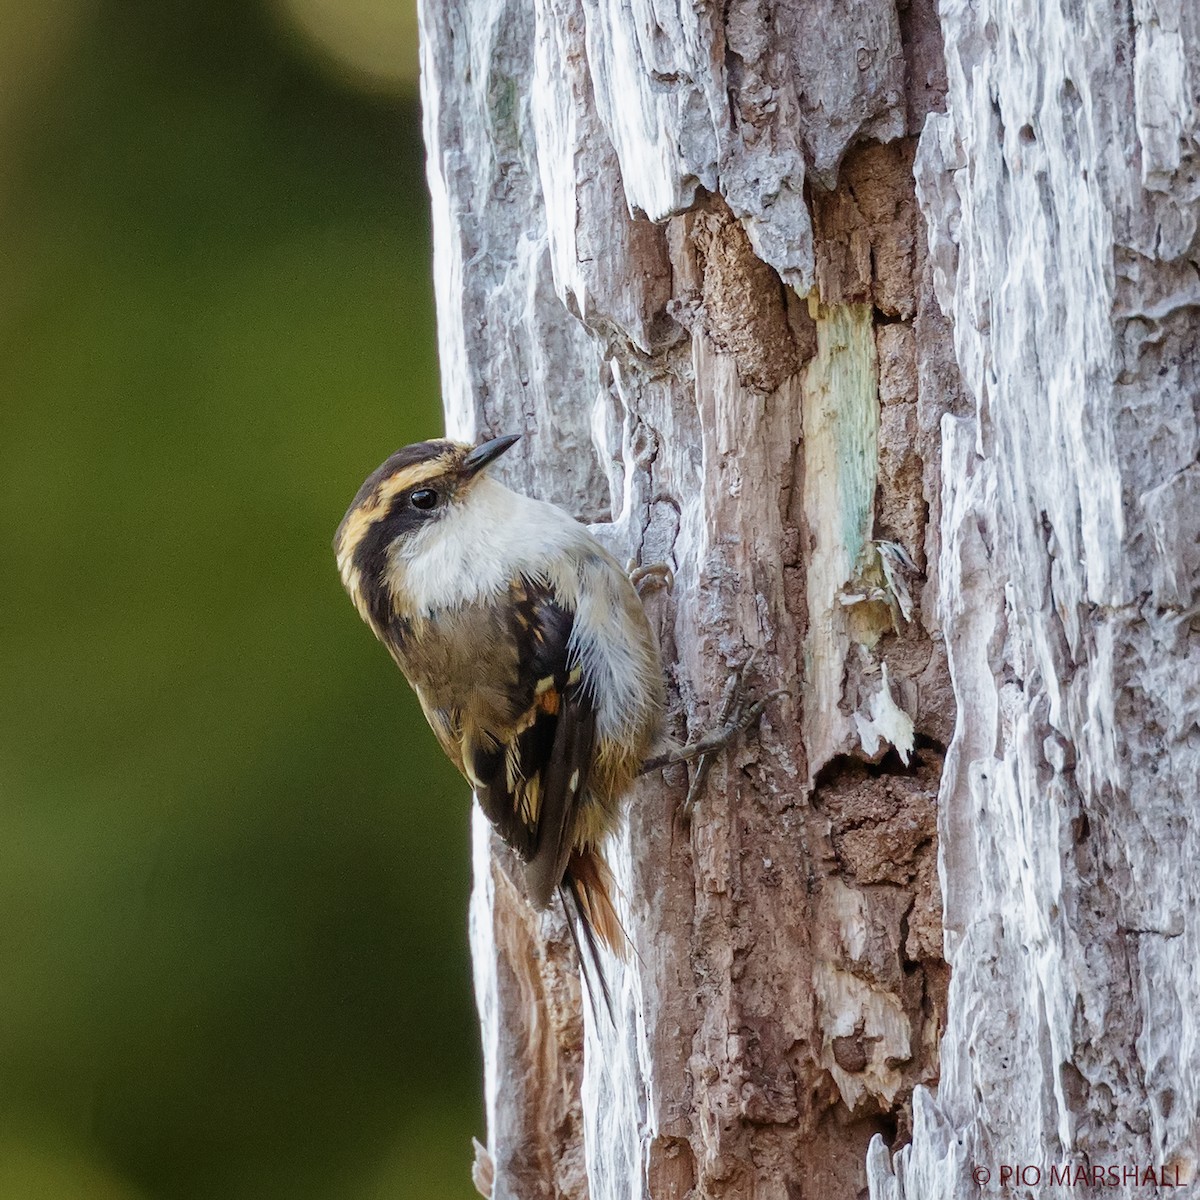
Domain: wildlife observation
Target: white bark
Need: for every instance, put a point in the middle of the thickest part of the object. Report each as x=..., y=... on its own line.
x=1062, y=198
x=671, y=246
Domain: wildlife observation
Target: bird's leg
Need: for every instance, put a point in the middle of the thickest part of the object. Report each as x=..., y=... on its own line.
x=736, y=717
x=660, y=572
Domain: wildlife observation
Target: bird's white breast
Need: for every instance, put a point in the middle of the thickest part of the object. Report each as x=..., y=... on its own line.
x=477, y=548
x=479, y=545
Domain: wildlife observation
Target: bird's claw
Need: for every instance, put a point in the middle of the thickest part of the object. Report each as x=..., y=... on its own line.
x=660, y=572
x=735, y=718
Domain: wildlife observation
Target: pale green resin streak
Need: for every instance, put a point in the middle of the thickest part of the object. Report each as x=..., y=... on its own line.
x=841, y=451
x=841, y=421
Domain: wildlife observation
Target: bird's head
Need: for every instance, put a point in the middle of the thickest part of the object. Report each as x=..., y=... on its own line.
x=416, y=488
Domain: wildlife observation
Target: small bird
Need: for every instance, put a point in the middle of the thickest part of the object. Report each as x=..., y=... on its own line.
x=529, y=651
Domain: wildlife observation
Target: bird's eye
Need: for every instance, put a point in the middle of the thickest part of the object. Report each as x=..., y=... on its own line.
x=424, y=498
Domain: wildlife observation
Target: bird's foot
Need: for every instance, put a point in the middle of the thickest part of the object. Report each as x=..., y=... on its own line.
x=737, y=715
x=659, y=574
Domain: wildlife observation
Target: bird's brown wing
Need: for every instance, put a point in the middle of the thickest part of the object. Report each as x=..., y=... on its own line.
x=446, y=723
x=531, y=775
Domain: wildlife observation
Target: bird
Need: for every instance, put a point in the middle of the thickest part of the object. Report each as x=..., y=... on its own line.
x=530, y=653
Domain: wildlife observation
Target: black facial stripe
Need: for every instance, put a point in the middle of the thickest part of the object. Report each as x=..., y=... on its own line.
x=408, y=456
x=404, y=459
x=370, y=555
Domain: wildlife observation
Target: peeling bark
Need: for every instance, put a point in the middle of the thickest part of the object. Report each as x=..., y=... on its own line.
x=1061, y=195
x=938, y=480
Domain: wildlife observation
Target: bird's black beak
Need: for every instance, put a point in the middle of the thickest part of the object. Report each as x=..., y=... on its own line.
x=488, y=452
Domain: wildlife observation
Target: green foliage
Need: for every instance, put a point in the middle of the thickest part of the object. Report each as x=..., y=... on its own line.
x=233, y=866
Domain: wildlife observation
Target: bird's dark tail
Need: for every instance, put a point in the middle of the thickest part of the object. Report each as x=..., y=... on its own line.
x=589, y=884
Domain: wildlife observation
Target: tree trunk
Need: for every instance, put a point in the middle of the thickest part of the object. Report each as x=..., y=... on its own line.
x=681, y=247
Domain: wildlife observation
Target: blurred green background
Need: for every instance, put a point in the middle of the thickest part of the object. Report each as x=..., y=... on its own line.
x=233, y=866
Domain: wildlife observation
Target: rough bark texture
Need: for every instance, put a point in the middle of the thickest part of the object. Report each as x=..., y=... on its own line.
x=680, y=245
x=1062, y=191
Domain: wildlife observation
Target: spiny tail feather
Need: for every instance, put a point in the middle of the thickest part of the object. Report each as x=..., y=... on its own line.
x=576, y=922
x=589, y=883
